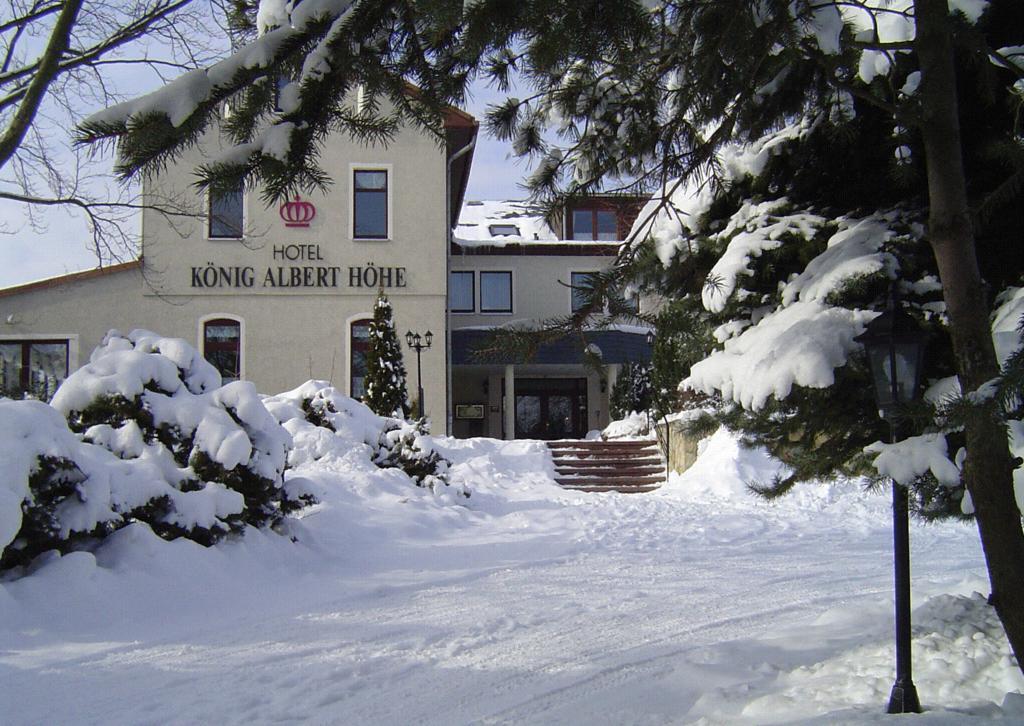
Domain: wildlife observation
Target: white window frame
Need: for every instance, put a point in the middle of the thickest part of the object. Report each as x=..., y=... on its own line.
x=595, y=234
x=348, y=346
x=208, y=214
x=472, y=274
x=576, y=271
x=370, y=166
x=71, y=338
x=480, y=291
x=201, y=338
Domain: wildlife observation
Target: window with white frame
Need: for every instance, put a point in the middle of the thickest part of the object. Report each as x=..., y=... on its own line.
x=495, y=291
x=631, y=303
x=359, y=349
x=222, y=347
x=580, y=285
x=370, y=203
x=462, y=292
x=32, y=368
x=225, y=214
x=594, y=224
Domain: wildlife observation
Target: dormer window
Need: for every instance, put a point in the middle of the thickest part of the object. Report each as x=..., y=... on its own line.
x=504, y=230
x=594, y=224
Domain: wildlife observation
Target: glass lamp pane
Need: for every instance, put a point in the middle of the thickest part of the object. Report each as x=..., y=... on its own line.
x=906, y=371
x=881, y=372
x=905, y=356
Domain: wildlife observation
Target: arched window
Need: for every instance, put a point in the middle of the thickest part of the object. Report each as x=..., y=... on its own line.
x=359, y=348
x=222, y=346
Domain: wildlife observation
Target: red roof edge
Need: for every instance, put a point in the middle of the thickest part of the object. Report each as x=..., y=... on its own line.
x=453, y=117
x=69, y=278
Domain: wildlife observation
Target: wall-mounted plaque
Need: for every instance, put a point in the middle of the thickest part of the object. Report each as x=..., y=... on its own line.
x=469, y=410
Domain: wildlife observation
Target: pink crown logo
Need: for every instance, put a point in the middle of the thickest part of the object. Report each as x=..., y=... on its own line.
x=298, y=213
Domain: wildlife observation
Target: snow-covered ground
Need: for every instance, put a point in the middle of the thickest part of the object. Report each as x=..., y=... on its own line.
x=523, y=604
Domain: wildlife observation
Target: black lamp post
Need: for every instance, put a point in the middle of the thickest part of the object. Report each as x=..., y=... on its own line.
x=650, y=344
x=419, y=344
x=895, y=347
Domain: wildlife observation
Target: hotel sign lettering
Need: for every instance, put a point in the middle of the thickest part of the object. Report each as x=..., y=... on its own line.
x=298, y=213
x=284, y=276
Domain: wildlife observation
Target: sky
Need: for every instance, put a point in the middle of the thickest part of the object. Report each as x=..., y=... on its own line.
x=27, y=254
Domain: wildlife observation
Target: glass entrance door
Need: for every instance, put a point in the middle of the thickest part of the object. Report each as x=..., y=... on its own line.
x=551, y=408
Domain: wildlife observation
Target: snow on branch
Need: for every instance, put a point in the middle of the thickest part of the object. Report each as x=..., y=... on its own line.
x=800, y=345
x=911, y=458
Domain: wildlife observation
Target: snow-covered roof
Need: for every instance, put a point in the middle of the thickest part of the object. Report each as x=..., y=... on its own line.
x=515, y=222
x=48, y=282
x=502, y=222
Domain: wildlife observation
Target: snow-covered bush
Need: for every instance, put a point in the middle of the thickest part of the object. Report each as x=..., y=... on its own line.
x=403, y=445
x=143, y=394
x=632, y=425
x=58, y=492
x=325, y=422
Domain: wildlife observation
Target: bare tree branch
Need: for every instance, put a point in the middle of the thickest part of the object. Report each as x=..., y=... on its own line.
x=49, y=66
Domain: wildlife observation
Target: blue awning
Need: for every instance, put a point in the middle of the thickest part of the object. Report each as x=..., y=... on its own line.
x=616, y=346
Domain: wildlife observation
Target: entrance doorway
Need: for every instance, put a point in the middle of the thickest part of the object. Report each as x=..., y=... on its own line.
x=551, y=408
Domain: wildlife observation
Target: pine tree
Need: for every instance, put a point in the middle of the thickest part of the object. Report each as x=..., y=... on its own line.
x=641, y=96
x=386, y=393
x=632, y=390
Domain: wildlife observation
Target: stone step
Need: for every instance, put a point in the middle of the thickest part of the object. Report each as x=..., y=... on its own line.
x=622, y=470
x=629, y=467
x=606, y=454
x=611, y=481
x=607, y=462
x=620, y=489
x=602, y=446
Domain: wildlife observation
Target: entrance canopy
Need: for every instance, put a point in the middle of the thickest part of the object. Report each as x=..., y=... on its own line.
x=615, y=346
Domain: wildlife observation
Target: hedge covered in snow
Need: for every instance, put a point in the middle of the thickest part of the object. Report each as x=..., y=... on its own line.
x=325, y=422
x=145, y=432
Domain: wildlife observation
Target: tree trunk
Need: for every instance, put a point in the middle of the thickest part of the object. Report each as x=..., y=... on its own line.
x=987, y=471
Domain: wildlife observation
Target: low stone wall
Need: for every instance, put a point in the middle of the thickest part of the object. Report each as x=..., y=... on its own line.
x=682, y=447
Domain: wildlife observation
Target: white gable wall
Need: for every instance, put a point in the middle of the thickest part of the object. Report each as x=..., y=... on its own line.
x=295, y=289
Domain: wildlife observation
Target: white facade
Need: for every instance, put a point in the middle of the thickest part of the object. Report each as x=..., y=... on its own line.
x=280, y=295
x=554, y=394
x=288, y=288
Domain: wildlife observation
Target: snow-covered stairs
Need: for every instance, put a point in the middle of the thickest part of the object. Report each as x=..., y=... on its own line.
x=626, y=466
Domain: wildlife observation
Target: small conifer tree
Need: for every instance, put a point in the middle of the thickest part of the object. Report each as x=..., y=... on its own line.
x=632, y=390
x=385, y=370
